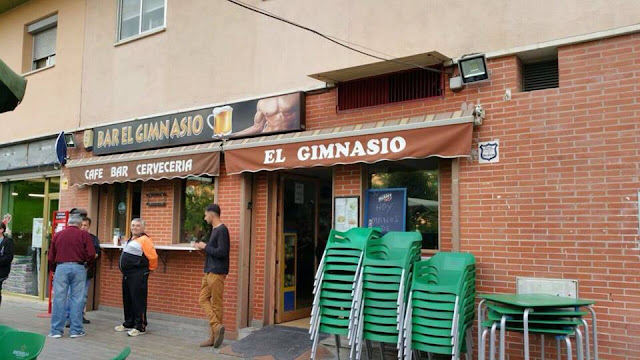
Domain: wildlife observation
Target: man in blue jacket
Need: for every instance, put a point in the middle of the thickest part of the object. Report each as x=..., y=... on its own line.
x=216, y=268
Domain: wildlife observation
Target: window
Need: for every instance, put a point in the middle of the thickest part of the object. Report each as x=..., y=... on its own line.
x=139, y=16
x=540, y=75
x=389, y=88
x=197, y=194
x=127, y=203
x=420, y=178
x=43, y=33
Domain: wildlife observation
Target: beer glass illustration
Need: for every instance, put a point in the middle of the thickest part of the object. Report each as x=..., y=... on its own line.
x=220, y=121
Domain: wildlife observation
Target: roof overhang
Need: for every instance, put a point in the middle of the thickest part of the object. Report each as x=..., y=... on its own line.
x=429, y=59
x=6, y=5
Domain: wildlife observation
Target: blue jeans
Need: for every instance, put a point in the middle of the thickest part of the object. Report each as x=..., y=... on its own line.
x=70, y=279
x=67, y=308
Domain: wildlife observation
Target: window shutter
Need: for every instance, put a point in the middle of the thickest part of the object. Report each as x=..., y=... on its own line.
x=44, y=44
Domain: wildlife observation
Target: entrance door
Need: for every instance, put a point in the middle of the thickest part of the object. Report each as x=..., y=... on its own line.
x=51, y=204
x=297, y=241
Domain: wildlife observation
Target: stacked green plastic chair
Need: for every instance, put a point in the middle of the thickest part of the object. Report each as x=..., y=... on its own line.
x=441, y=308
x=382, y=291
x=334, y=285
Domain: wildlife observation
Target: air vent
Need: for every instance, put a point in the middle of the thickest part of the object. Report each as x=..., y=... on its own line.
x=389, y=88
x=540, y=75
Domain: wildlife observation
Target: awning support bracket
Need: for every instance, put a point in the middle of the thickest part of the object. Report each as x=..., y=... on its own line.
x=110, y=256
x=164, y=257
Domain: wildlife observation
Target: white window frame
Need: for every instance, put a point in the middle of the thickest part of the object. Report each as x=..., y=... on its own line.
x=140, y=32
x=40, y=26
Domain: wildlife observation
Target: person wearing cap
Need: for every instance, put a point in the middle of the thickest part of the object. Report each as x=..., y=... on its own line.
x=138, y=259
x=70, y=251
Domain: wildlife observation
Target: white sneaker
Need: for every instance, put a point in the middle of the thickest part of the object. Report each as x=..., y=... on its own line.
x=135, y=332
x=73, y=336
x=55, y=336
x=121, y=328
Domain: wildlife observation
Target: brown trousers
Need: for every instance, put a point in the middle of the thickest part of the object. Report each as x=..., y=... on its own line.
x=211, y=299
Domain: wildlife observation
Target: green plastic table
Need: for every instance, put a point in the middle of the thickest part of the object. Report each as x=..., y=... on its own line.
x=529, y=303
x=536, y=300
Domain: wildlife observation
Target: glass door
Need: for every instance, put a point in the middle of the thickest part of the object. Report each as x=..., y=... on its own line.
x=26, y=206
x=51, y=205
x=296, y=248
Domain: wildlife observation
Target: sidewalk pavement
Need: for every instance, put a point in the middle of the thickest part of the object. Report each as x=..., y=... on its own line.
x=163, y=340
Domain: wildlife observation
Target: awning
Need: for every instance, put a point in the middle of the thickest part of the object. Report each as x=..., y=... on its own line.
x=445, y=135
x=12, y=88
x=181, y=162
x=429, y=59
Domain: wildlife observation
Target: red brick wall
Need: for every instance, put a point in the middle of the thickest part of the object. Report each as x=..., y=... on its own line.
x=347, y=180
x=159, y=220
x=258, y=246
x=562, y=202
x=229, y=194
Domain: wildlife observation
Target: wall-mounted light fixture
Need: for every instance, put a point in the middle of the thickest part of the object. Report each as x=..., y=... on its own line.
x=473, y=68
x=68, y=139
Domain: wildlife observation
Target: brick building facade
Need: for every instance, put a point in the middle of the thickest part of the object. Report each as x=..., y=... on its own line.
x=561, y=203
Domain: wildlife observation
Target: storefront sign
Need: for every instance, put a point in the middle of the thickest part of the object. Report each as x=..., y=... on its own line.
x=248, y=118
x=179, y=166
x=444, y=141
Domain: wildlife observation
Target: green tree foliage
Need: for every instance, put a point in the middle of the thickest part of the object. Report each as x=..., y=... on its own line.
x=197, y=196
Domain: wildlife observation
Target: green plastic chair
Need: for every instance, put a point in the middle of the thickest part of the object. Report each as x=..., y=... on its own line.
x=123, y=354
x=5, y=329
x=436, y=285
x=21, y=345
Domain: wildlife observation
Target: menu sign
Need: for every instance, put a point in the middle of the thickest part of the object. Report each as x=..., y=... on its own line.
x=271, y=115
x=386, y=209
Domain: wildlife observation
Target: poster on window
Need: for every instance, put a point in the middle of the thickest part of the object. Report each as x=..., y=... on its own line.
x=36, y=233
x=346, y=213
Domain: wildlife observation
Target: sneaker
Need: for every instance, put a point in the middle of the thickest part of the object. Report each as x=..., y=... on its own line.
x=77, y=335
x=55, y=336
x=121, y=328
x=135, y=332
x=219, y=337
x=85, y=320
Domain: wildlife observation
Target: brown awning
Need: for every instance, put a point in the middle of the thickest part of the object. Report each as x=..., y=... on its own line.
x=171, y=163
x=443, y=135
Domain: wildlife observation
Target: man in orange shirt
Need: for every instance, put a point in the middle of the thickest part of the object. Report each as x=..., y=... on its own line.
x=137, y=260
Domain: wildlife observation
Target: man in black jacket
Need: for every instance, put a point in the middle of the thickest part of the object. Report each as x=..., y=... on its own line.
x=216, y=268
x=6, y=256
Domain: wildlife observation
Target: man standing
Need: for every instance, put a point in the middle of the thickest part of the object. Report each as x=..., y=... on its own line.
x=91, y=270
x=138, y=258
x=6, y=255
x=216, y=268
x=71, y=250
